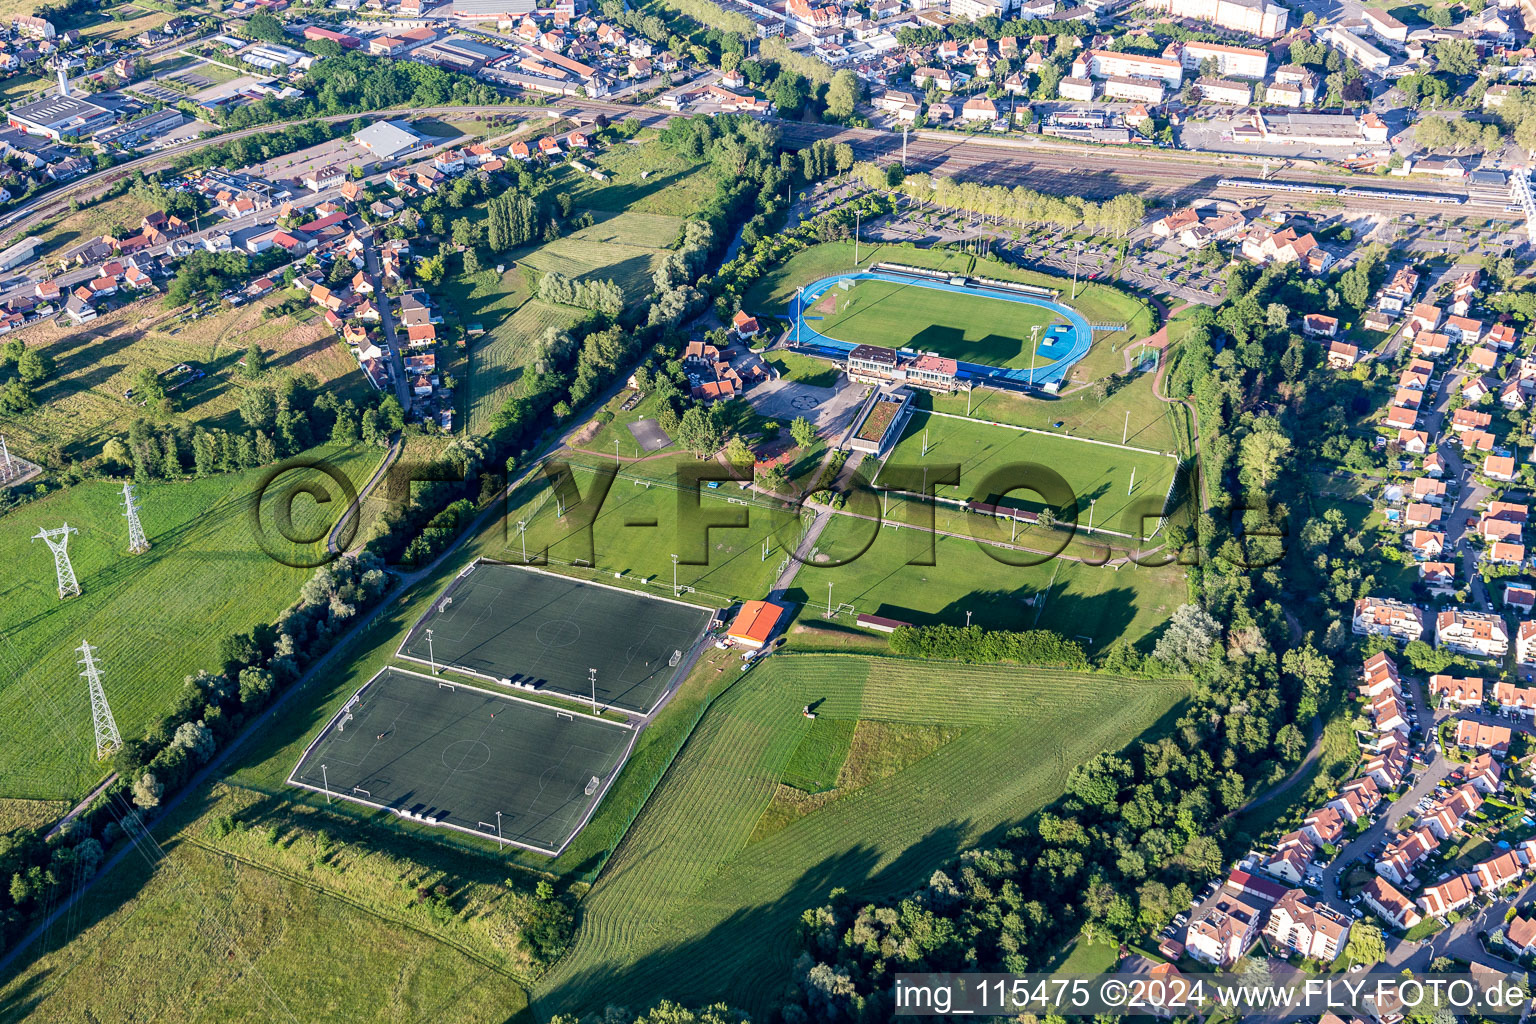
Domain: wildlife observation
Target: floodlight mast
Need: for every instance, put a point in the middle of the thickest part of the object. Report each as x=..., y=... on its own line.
x=58, y=542
x=104, y=725
x=592, y=676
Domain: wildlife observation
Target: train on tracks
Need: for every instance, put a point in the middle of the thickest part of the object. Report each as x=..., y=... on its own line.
x=1351, y=191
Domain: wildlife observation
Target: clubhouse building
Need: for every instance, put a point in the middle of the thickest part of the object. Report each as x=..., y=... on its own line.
x=871, y=364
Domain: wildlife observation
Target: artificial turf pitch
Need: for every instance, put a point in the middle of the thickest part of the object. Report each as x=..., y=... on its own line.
x=456, y=755
x=505, y=622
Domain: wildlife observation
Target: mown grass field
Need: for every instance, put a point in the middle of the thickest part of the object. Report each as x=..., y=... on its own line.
x=1100, y=303
x=1132, y=412
x=204, y=937
x=625, y=249
x=975, y=329
x=81, y=405
x=154, y=617
x=1096, y=473
x=722, y=566
x=513, y=322
x=672, y=186
x=1094, y=604
x=689, y=907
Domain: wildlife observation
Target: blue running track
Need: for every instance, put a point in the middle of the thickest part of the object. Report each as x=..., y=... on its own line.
x=1070, y=341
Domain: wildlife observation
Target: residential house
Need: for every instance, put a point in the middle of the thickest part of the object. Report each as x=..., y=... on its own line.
x=1307, y=926
x=1226, y=932
x=1469, y=632
x=1390, y=904
x=1445, y=897
x=1401, y=856
x=1520, y=700
x=1386, y=617
x=1499, y=467
x=1525, y=643
x=1498, y=871
x=1427, y=543
x=1493, y=739
x=1458, y=692
x=1319, y=326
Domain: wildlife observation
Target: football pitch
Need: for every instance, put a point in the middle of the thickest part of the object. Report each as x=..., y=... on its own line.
x=465, y=758
x=908, y=314
x=534, y=629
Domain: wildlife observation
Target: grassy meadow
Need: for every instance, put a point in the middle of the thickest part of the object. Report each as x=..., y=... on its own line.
x=205, y=937
x=154, y=617
x=699, y=900
x=81, y=405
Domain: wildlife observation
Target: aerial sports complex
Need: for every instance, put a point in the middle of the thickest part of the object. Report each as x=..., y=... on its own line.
x=493, y=755
x=988, y=327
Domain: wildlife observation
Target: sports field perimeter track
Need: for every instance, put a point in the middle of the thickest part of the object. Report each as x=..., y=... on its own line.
x=1077, y=341
x=526, y=627
x=466, y=758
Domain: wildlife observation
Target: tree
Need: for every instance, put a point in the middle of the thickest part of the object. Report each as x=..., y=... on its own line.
x=33, y=365
x=803, y=431
x=1261, y=454
x=148, y=389
x=258, y=408
x=1366, y=945
x=1457, y=56
x=255, y=361
x=1189, y=639
x=737, y=452
x=147, y=790
x=843, y=95
x=699, y=431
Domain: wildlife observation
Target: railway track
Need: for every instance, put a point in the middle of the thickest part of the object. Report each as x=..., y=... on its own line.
x=1037, y=163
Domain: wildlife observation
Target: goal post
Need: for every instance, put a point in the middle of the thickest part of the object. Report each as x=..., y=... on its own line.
x=592, y=785
x=677, y=656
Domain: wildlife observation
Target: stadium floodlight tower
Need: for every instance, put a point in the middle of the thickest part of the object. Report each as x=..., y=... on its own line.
x=58, y=542
x=107, y=738
x=137, y=543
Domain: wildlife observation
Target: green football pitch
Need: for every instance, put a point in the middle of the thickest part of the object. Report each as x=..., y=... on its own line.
x=548, y=632
x=968, y=327
x=461, y=757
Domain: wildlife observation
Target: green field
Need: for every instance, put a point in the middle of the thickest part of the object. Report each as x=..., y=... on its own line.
x=625, y=248
x=672, y=186
x=1098, y=474
x=690, y=907
x=204, y=937
x=513, y=321
x=975, y=329
x=1133, y=413
x=722, y=567
x=81, y=405
x=154, y=618
x=1094, y=604
x=1100, y=303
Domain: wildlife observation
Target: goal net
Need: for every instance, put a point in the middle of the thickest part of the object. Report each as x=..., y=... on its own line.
x=592, y=785
x=677, y=656
x=843, y=609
